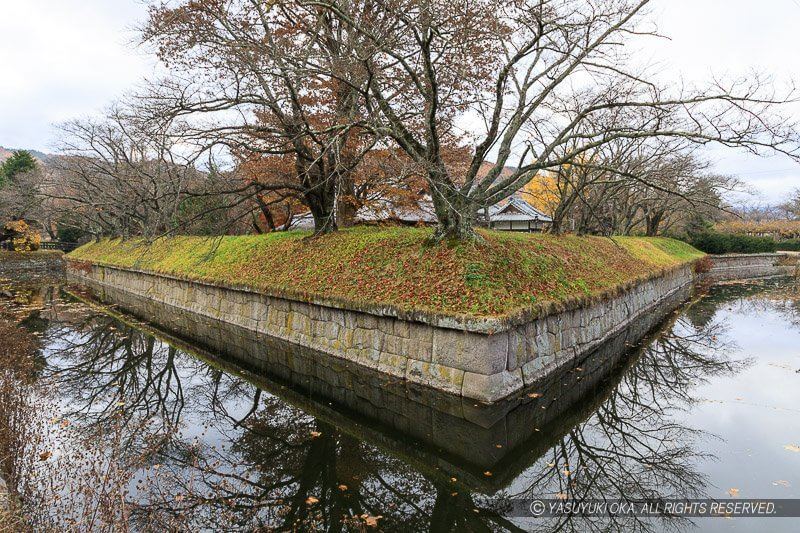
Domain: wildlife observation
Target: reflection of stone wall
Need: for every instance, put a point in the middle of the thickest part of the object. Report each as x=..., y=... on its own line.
x=27, y=264
x=451, y=356
x=442, y=434
x=746, y=266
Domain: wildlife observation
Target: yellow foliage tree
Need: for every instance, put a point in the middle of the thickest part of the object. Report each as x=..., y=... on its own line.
x=542, y=193
x=22, y=237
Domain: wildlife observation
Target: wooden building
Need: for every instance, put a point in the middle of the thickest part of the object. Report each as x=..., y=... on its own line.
x=516, y=214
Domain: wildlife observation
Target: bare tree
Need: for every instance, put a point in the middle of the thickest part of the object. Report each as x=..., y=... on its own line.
x=550, y=80
x=116, y=176
x=638, y=186
x=276, y=83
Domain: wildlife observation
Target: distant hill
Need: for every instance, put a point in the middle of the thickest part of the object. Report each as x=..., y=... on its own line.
x=5, y=153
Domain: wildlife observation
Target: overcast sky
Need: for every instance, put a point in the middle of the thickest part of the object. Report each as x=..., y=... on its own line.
x=61, y=59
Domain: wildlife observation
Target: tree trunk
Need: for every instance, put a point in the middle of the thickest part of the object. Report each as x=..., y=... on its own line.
x=322, y=208
x=653, y=223
x=319, y=194
x=265, y=211
x=347, y=203
x=456, y=216
x=557, y=227
x=561, y=211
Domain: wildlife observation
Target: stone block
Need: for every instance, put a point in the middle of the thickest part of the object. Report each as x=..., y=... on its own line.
x=471, y=352
x=394, y=365
x=436, y=376
x=517, y=348
x=420, y=342
x=493, y=387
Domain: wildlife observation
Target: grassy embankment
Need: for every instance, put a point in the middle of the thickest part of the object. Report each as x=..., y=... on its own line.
x=506, y=273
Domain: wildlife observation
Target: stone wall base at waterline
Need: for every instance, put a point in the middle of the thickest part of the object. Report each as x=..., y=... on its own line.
x=484, y=360
x=748, y=266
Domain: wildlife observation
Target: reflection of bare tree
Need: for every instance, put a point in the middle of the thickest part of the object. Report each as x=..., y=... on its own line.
x=113, y=372
x=634, y=447
x=209, y=450
x=778, y=294
x=273, y=464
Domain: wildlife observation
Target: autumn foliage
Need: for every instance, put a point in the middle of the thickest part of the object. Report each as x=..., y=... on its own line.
x=21, y=236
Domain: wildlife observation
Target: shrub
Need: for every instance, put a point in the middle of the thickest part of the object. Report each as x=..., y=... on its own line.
x=703, y=265
x=69, y=234
x=712, y=242
x=790, y=245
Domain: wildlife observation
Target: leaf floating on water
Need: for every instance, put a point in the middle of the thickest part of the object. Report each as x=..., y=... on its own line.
x=342, y=488
x=311, y=500
x=793, y=448
x=535, y=395
x=733, y=492
x=551, y=465
x=498, y=445
x=561, y=495
x=315, y=434
x=487, y=474
x=453, y=479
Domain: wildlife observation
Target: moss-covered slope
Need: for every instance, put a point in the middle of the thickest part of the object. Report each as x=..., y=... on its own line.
x=505, y=273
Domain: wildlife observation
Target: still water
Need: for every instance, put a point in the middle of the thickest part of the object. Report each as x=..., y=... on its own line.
x=129, y=427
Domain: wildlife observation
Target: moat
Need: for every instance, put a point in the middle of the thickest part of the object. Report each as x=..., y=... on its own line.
x=126, y=424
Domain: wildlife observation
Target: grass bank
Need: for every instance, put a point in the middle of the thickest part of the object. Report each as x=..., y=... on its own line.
x=505, y=273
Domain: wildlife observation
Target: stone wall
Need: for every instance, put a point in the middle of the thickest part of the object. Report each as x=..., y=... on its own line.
x=484, y=360
x=745, y=266
x=31, y=264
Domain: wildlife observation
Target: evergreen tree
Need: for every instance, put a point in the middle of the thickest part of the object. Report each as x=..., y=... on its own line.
x=20, y=162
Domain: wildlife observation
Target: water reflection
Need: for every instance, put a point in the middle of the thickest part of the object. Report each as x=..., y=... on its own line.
x=633, y=446
x=200, y=442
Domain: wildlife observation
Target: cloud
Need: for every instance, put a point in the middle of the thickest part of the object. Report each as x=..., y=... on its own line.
x=64, y=58
x=67, y=58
